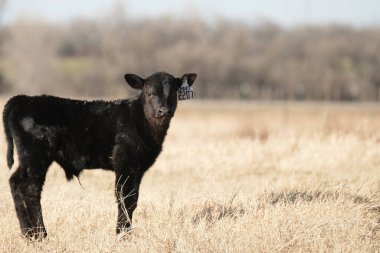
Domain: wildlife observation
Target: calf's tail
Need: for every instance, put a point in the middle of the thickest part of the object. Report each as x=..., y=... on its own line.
x=8, y=133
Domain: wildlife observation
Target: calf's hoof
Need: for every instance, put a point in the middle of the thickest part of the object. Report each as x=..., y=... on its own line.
x=34, y=234
x=123, y=230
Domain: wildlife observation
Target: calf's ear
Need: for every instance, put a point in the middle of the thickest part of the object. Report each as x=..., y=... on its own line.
x=189, y=77
x=134, y=81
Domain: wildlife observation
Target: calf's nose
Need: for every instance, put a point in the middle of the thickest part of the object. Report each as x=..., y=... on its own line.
x=164, y=112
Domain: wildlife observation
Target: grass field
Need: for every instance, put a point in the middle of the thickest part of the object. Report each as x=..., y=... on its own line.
x=233, y=177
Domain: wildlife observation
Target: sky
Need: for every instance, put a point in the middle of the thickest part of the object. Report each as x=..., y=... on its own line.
x=283, y=12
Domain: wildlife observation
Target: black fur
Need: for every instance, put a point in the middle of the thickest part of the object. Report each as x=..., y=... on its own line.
x=124, y=136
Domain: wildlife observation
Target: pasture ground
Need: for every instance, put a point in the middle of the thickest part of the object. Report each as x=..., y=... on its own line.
x=233, y=177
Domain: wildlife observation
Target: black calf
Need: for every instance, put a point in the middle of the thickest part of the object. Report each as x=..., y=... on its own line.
x=125, y=136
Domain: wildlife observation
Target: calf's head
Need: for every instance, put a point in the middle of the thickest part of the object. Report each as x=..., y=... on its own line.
x=159, y=93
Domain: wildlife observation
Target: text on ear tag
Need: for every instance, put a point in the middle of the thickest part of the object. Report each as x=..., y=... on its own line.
x=185, y=91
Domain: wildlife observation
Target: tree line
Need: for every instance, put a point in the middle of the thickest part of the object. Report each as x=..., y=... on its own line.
x=233, y=60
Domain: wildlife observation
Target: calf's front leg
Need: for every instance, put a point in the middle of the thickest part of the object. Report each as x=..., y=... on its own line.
x=127, y=194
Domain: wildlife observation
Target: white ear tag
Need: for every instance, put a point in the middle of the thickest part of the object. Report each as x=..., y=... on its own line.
x=185, y=91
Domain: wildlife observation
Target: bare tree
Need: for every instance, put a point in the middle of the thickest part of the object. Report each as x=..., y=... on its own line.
x=2, y=7
x=30, y=50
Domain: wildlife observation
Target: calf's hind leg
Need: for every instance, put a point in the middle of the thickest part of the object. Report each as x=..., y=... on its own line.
x=26, y=187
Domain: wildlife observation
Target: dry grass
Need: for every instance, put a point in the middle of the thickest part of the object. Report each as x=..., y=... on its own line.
x=233, y=177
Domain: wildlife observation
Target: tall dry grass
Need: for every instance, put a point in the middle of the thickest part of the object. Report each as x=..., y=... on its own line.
x=233, y=177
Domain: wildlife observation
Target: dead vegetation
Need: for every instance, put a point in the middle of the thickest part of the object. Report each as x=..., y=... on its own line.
x=232, y=178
